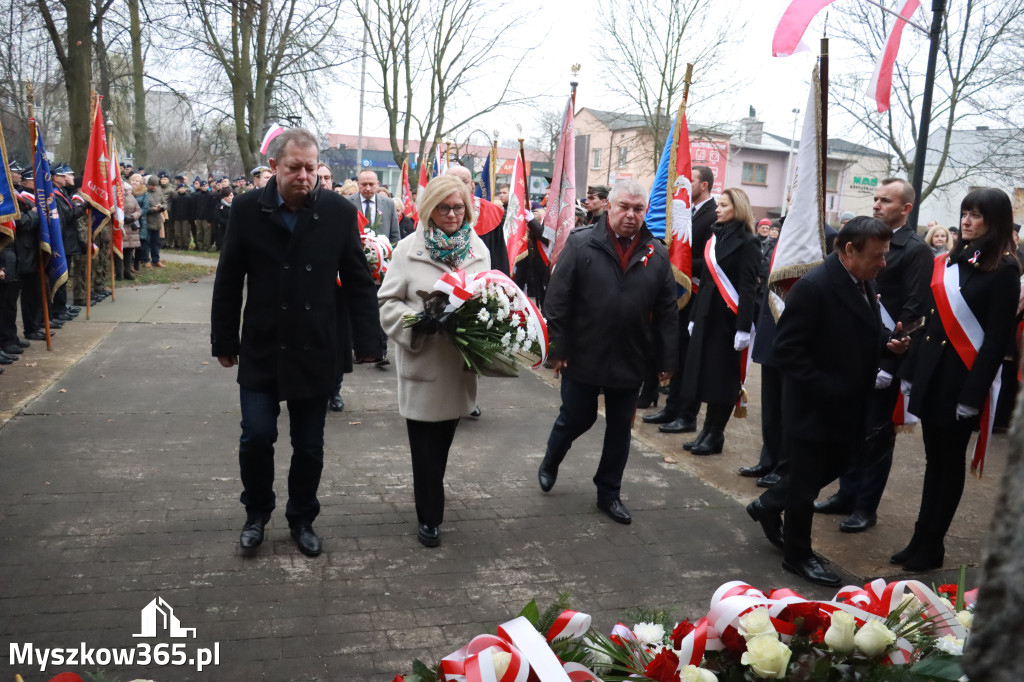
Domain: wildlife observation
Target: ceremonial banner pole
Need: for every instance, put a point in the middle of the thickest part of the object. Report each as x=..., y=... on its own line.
x=116, y=172
x=30, y=98
x=920, y=154
x=574, y=83
x=493, y=171
x=670, y=186
x=824, y=125
x=88, y=230
x=526, y=178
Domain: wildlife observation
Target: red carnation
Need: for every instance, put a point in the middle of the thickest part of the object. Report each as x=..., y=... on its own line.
x=733, y=640
x=948, y=591
x=807, y=611
x=681, y=631
x=664, y=667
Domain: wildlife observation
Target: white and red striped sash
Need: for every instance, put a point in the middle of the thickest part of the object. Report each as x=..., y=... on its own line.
x=966, y=335
x=725, y=287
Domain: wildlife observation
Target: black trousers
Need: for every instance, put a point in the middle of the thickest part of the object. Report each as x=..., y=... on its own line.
x=9, y=292
x=945, y=450
x=865, y=483
x=31, y=302
x=771, y=420
x=578, y=413
x=676, y=404
x=429, y=443
x=813, y=465
x=60, y=301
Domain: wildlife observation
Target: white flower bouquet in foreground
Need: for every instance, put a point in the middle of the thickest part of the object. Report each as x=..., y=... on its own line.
x=377, y=250
x=488, y=319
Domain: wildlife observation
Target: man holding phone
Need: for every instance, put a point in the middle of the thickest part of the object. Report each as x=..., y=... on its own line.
x=903, y=292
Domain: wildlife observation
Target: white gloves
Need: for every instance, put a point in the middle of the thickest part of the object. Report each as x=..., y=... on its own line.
x=883, y=379
x=741, y=340
x=689, y=328
x=905, y=387
x=965, y=412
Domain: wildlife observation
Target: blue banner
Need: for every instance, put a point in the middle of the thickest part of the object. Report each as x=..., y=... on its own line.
x=51, y=240
x=657, y=206
x=484, y=190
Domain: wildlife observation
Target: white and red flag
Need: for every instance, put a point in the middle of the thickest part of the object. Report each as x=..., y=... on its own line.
x=517, y=215
x=408, y=203
x=560, y=217
x=679, y=216
x=793, y=25
x=117, y=218
x=880, y=85
x=424, y=175
x=96, y=186
x=801, y=243
x=273, y=132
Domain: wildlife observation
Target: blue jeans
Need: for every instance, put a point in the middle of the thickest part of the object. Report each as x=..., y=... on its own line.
x=154, y=249
x=260, y=410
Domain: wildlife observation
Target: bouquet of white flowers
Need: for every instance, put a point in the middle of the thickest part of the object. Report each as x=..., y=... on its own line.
x=377, y=250
x=489, y=320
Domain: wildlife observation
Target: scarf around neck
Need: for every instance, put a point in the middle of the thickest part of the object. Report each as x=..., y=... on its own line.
x=449, y=250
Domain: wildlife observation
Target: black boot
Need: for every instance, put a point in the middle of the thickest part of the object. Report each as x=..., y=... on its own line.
x=699, y=439
x=711, y=445
x=714, y=423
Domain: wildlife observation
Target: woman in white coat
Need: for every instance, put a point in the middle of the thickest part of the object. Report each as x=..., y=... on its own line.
x=434, y=386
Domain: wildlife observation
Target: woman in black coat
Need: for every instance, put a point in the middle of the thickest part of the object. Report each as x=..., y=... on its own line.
x=720, y=330
x=947, y=395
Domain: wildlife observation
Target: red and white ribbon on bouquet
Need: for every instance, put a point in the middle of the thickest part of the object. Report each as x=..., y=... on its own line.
x=529, y=651
x=460, y=287
x=381, y=248
x=875, y=601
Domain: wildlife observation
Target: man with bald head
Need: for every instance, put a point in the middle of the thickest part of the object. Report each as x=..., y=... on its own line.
x=379, y=210
x=489, y=218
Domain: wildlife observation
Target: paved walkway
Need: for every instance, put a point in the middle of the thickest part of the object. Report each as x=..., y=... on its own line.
x=119, y=484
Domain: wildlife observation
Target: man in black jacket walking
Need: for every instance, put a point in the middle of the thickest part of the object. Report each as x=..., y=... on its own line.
x=610, y=302
x=290, y=242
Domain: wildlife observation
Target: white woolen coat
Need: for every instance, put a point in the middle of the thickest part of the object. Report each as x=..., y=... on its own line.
x=433, y=384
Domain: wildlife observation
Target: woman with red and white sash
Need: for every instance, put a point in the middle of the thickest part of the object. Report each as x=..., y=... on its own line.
x=956, y=361
x=722, y=317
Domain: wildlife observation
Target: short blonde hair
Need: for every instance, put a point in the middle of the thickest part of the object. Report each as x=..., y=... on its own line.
x=349, y=187
x=436, y=191
x=935, y=229
x=741, y=207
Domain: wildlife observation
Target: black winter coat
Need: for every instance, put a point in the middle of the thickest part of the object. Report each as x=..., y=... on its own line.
x=26, y=240
x=904, y=285
x=69, y=213
x=712, y=365
x=295, y=332
x=607, y=323
x=940, y=377
x=703, y=221
x=827, y=346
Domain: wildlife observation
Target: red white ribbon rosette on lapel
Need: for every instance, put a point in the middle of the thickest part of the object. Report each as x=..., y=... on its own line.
x=875, y=601
x=529, y=653
x=461, y=287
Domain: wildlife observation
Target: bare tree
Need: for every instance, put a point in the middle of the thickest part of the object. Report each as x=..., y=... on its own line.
x=646, y=46
x=978, y=81
x=268, y=57
x=427, y=54
x=550, y=123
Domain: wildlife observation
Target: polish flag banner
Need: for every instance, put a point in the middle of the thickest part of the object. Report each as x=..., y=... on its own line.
x=274, y=131
x=880, y=85
x=560, y=217
x=517, y=215
x=424, y=176
x=793, y=25
x=408, y=203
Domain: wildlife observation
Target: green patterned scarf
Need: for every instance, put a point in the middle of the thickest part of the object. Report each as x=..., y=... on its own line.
x=449, y=250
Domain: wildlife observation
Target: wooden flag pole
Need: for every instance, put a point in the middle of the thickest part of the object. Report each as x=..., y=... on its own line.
x=113, y=191
x=33, y=147
x=824, y=126
x=88, y=229
x=573, y=83
x=526, y=178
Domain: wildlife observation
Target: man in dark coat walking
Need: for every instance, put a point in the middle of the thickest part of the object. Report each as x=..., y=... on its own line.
x=680, y=414
x=824, y=398
x=292, y=243
x=610, y=302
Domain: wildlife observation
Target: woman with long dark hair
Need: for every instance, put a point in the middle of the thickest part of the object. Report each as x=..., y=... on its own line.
x=722, y=317
x=956, y=359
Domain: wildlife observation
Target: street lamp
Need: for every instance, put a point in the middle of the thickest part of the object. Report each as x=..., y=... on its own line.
x=787, y=185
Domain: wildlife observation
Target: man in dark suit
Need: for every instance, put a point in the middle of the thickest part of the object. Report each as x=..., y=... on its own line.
x=904, y=288
x=680, y=415
x=379, y=211
x=834, y=306
x=290, y=243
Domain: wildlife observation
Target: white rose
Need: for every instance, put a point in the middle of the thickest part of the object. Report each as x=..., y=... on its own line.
x=649, y=633
x=839, y=635
x=951, y=645
x=692, y=673
x=949, y=604
x=913, y=607
x=965, y=618
x=756, y=623
x=874, y=638
x=501, y=661
x=767, y=656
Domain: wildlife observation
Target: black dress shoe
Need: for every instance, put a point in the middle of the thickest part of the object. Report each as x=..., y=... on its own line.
x=678, y=426
x=429, y=536
x=756, y=471
x=74, y=309
x=65, y=317
x=37, y=335
x=23, y=343
x=382, y=363
x=547, y=474
x=616, y=510
x=13, y=349
x=768, y=480
x=6, y=359
x=252, y=531
x=711, y=445
x=56, y=324
x=771, y=524
x=833, y=505
x=814, y=571
x=858, y=522
x=336, y=404
x=660, y=417
x=475, y=414
x=696, y=441
x=308, y=542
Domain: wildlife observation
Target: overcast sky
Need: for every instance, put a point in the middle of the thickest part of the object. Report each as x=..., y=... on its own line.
x=573, y=30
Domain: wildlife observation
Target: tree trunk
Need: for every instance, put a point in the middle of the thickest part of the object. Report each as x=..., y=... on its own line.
x=78, y=77
x=138, y=87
